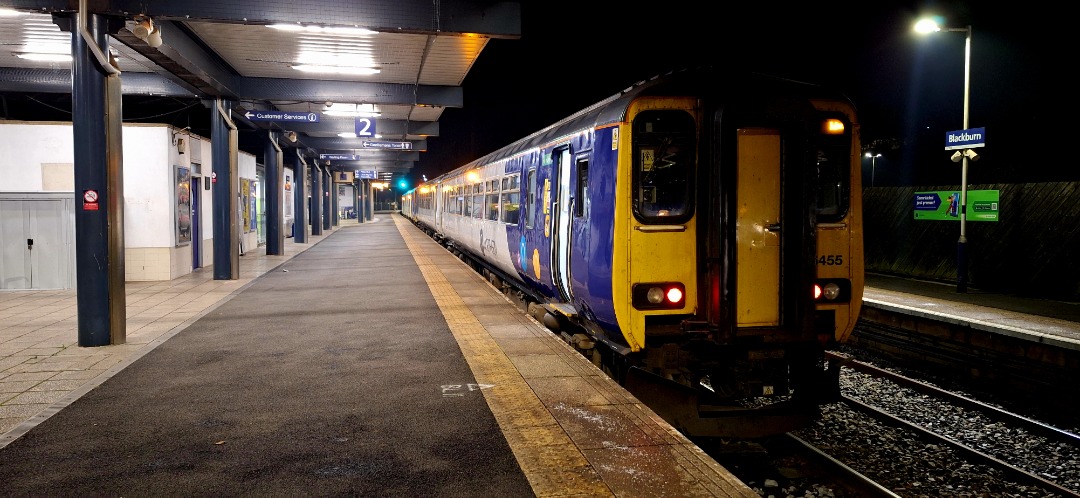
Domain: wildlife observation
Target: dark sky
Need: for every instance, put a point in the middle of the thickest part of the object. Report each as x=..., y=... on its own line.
x=908, y=89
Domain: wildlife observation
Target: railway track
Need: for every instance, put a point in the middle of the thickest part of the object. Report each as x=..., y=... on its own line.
x=892, y=435
x=959, y=442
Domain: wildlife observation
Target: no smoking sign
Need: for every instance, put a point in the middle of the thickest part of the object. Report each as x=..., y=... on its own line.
x=90, y=200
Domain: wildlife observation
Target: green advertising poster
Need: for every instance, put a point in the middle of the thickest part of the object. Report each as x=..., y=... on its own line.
x=982, y=205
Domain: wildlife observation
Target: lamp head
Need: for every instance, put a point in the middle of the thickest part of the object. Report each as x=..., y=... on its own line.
x=143, y=29
x=154, y=38
x=957, y=156
x=971, y=154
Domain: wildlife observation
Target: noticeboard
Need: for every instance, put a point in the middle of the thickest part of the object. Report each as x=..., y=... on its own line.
x=982, y=205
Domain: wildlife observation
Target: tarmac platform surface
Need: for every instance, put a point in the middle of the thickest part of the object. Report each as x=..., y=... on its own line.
x=370, y=362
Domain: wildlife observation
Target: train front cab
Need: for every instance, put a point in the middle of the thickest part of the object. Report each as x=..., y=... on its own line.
x=771, y=215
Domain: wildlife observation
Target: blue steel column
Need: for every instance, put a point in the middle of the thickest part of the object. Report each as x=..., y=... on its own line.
x=275, y=174
x=300, y=205
x=335, y=200
x=355, y=199
x=361, y=205
x=370, y=201
x=226, y=185
x=316, y=198
x=99, y=195
x=328, y=180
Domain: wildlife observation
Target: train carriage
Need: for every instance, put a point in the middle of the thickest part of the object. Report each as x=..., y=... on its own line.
x=697, y=235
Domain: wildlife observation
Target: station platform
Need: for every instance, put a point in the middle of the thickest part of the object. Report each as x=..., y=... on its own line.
x=1055, y=323
x=369, y=361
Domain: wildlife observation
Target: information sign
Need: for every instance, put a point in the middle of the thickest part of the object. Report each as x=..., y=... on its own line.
x=302, y=117
x=965, y=139
x=982, y=205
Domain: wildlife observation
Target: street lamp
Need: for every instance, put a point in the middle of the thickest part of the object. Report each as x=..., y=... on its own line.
x=931, y=26
x=873, y=165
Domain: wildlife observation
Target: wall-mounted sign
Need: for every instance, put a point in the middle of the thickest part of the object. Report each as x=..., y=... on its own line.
x=982, y=205
x=90, y=200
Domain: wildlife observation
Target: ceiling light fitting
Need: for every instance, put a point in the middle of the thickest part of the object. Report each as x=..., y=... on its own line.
x=314, y=68
x=147, y=31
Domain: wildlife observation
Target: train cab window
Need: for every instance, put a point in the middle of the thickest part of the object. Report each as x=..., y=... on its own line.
x=663, y=154
x=832, y=177
x=511, y=199
x=530, y=200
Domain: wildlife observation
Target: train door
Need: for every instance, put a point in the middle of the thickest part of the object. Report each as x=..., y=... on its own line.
x=757, y=233
x=561, y=224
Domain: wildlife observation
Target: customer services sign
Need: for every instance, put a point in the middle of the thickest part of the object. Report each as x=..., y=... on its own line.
x=982, y=205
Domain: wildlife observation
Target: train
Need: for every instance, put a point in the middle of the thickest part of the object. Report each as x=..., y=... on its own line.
x=697, y=236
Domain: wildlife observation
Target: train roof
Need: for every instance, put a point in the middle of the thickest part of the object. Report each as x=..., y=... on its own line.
x=614, y=108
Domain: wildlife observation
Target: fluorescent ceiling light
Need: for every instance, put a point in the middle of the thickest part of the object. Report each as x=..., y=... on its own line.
x=6, y=12
x=347, y=135
x=313, y=68
x=357, y=110
x=37, y=56
x=332, y=30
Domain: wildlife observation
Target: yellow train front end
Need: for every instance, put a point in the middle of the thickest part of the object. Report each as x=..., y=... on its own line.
x=739, y=226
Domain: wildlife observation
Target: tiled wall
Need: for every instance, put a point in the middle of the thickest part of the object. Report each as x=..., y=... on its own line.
x=149, y=263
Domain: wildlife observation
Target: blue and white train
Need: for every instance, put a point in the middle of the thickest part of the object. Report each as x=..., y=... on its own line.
x=697, y=235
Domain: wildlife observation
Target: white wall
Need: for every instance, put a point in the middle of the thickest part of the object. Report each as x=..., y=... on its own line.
x=39, y=157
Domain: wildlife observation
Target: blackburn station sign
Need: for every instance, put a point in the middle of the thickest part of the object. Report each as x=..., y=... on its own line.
x=965, y=139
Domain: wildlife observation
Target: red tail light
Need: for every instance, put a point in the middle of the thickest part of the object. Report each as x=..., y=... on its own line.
x=659, y=296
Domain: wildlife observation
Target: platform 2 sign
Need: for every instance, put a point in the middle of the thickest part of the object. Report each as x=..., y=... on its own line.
x=982, y=205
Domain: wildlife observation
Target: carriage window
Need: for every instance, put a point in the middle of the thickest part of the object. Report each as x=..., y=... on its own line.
x=581, y=198
x=664, y=158
x=493, y=200
x=530, y=200
x=511, y=199
x=477, y=201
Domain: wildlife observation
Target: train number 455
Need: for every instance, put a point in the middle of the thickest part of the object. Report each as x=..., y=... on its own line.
x=831, y=260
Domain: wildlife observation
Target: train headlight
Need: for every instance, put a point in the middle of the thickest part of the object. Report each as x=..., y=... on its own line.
x=659, y=296
x=832, y=291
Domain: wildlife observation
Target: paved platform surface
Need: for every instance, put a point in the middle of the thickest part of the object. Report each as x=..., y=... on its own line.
x=1041, y=320
x=369, y=361
x=366, y=361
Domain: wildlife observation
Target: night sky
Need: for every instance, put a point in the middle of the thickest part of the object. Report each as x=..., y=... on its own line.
x=907, y=88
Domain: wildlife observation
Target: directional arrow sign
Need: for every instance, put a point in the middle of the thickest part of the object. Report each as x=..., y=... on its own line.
x=294, y=117
x=388, y=145
x=339, y=157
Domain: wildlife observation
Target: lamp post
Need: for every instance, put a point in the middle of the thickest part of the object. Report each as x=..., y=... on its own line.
x=931, y=26
x=873, y=166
